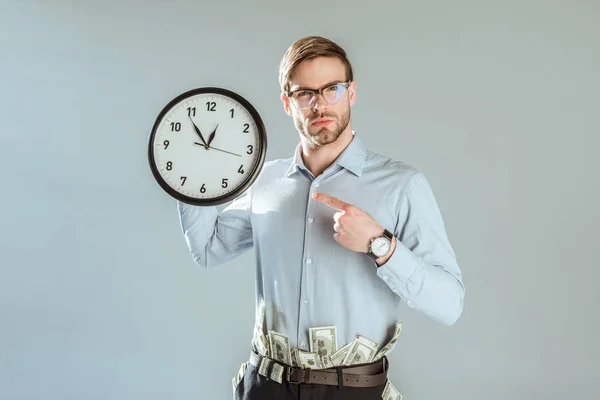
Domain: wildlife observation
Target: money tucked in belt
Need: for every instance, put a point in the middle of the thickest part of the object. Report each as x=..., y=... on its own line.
x=367, y=375
x=360, y=363
x=324, y=352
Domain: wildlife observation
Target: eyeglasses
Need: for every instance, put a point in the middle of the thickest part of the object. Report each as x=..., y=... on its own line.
x=305, y=98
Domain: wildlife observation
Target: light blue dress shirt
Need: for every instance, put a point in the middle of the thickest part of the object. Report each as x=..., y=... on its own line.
x=306, y=278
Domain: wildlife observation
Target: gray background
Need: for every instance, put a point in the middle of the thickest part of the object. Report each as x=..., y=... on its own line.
x=496, y=102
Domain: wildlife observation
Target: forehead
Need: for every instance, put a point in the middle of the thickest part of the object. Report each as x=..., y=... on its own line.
x=317, y=72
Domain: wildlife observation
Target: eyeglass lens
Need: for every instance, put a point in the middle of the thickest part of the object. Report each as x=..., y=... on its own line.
x=332, y=95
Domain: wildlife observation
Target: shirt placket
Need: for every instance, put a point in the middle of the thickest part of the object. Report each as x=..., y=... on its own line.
x=308, y=265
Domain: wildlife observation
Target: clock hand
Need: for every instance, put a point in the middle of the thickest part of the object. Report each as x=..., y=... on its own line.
x=214, y=148
x=212, y=136
x=198, y=132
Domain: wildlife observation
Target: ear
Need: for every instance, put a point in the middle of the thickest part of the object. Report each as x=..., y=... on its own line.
x=352, y=92
x=286, y=104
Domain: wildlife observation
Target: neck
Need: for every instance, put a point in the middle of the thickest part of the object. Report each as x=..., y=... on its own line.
x=320, y=158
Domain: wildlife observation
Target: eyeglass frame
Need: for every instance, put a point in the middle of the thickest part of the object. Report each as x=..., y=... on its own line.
x=316, y=93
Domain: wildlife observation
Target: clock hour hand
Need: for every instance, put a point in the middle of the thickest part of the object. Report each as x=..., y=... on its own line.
x=214, y=148
x=212, y=136
x=198, y=132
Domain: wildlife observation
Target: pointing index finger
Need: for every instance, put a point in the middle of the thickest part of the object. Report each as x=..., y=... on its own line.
x=331, y=201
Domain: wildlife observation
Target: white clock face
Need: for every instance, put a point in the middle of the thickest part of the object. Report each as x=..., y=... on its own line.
x=206, y=146
x=380, y=247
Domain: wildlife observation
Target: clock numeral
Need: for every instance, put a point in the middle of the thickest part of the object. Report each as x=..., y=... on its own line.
x=246, y=127
x=175, y=126
x=224, y=184
x=250, y=149
x=191, y=111
x=231, y=112
x=210, y=106
x=183, y=179
x=241, y=170
x=202, y=189
x=169, y=165
x=166, y=143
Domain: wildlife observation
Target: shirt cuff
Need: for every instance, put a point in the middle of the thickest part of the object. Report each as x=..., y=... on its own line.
x=399, y=267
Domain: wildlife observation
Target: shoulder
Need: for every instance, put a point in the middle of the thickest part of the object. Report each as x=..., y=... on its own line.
x=397, y=172
x=273, y=171
x=277, y=166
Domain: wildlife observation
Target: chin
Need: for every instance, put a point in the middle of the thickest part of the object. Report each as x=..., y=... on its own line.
x=325, y=136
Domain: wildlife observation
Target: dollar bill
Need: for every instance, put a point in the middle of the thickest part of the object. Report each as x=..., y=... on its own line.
x=236, y=379
x=361, y=351
x=338, y=357
x=307, y=359
x=390, y=392
x=277, y=372
x=242, y=371
x=326, y=362
x=280, y=347
x=323, y=340
x=310, y=360
x=260, y=344
x=294, y=354
x=385, y=349
x=263, y=368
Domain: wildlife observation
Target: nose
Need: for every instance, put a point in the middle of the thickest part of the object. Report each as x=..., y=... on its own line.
x=319, y=103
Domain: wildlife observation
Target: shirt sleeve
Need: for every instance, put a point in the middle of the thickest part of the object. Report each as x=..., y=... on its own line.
x=214, y=238
x=423, y=269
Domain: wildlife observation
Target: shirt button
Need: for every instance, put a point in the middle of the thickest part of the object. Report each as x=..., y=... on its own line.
x=305, y=301
x=317, y=184
x=308, y=260
x=385, y=277
x=310, y=220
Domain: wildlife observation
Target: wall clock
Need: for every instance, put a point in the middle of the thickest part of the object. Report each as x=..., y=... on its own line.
x=207, y=146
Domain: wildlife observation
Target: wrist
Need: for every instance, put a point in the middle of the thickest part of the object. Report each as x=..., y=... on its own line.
x=382, y=260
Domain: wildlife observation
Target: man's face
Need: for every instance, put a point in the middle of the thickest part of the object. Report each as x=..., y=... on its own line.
x=322, y=123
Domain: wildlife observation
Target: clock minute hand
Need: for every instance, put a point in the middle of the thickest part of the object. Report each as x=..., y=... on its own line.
x=214, y=148
x=198, y=132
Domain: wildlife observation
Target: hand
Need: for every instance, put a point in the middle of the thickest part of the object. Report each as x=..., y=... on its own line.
x=354, y=227
x=214, y=148
x=212, y=136
x=198, y=132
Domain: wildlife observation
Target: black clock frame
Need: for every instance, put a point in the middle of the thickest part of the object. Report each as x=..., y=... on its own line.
x=252, y=175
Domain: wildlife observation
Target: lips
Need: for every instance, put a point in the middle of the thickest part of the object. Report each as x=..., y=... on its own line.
x=322, y=122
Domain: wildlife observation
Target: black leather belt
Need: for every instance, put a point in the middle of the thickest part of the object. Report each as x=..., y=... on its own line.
x=363, y=375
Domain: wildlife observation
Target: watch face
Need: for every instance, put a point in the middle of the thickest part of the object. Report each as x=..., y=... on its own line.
x=207, y=146
x=380, y=247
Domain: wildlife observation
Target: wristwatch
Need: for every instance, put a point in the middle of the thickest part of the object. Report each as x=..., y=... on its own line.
x=381, y=245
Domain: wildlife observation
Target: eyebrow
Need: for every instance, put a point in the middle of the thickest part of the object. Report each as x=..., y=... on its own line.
x=307, y=88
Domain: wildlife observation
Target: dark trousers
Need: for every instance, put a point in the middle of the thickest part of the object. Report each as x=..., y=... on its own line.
x=254, y=386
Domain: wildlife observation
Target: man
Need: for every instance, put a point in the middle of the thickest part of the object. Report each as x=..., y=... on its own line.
x=341, y=234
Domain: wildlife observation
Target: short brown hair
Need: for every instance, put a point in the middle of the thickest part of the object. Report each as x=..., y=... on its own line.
x=307, y=48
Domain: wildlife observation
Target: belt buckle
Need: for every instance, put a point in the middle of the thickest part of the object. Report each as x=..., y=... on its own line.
x=290, y=373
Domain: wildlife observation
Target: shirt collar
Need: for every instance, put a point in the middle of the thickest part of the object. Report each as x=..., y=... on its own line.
x=352, y=158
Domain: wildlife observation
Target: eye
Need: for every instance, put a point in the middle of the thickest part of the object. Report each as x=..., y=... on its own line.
x=303, y=93
x=332, y=88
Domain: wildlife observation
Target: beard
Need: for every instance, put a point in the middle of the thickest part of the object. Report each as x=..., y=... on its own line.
x=318, y=136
